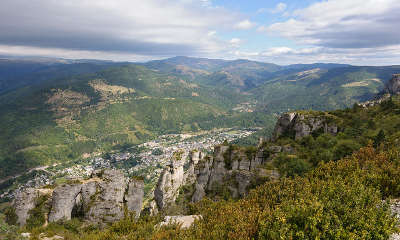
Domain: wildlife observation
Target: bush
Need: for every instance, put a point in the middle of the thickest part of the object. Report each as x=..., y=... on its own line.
x=37, y=214
x=10, y=216
x=291, y=166
x=344, y=148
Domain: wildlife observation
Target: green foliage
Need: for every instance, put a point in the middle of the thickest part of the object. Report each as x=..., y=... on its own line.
x=10, y=216
x=8, y=231
x=291, y=166
x=379, y=138
x=344, y=148
x=37, y=214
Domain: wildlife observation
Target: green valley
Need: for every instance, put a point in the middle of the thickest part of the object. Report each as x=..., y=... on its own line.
x=63, y=117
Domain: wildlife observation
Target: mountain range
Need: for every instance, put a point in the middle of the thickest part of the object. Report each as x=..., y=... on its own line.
x=56, y=110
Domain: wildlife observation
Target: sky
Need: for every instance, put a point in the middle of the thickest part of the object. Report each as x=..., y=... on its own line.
x=359, y=32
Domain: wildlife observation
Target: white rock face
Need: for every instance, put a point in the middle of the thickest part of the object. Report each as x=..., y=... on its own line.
x=134, y=196
x=101, y=199
x=184, y=221
x=108, y=204
x=395, y=208
x=393, y=86
x=23, y=202
x=194, y=158
x=171, y=179
x=230, y=167
x=302, y=125
x=64, y=198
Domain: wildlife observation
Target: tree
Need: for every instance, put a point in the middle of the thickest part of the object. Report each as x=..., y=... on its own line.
x=379, y=138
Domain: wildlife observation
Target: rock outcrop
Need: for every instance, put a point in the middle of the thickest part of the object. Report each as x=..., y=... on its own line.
x=134, y=196
x=171, y=179
x=395, y=209
x=235, y=169
x=23, y=202
x=393, y=86
x=101, y=199
x=63, y=202
x=107, y=203
x=231, y=168
x=299, y=125
x=228, y=168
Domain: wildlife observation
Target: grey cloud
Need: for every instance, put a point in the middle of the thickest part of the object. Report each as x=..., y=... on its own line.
x=129, y=26
x=344, y=24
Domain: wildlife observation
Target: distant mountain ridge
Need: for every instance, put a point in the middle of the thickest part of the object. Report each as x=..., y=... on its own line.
x=54, y=112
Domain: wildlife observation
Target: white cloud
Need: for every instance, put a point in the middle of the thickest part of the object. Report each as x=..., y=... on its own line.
x=206, y=3
x=343, y=24
x=235, y=42
x=211, y=33
x=245, y=24
x=280, y=7
x=363, y=32
x=72, y=54
x=136, y=27
x=286, y=55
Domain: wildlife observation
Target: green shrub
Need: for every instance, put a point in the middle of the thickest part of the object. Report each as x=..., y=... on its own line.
x=10, y=216
x=37, y=214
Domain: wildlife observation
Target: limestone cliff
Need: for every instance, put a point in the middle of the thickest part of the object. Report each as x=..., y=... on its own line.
x=229, y=168
x=393, y=86
x=171, y=179
x=302, y=124
x=101, y=199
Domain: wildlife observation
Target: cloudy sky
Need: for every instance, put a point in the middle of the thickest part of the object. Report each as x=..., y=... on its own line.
x=362, y=32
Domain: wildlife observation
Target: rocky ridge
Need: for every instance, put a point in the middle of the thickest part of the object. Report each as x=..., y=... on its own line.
x=227, y=168
x=103, y=198
x=299, y=125
x=234, y=169
x=393, y=86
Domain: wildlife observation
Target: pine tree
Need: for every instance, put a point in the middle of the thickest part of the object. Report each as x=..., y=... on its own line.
x=379, y=138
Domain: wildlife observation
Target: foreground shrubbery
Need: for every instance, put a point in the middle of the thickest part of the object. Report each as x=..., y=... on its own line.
x=337, y=200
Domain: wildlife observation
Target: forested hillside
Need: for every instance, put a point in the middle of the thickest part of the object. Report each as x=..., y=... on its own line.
x=63, y=119
x=331, y=185
x=56, y=112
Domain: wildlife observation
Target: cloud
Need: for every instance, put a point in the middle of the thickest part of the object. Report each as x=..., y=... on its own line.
x=135, y=27
x=343, y=24
x=235, y=42
x=280, y=7
x=206, y=3
x=72, y=54
x=245, y=24
x=362, y=56
x=211, y=33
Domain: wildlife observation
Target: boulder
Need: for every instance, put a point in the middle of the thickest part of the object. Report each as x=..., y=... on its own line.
x=183, y=221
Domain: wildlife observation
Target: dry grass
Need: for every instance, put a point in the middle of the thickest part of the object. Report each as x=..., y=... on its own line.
x=356, y=84
x=105, y=89
x=66, y=98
